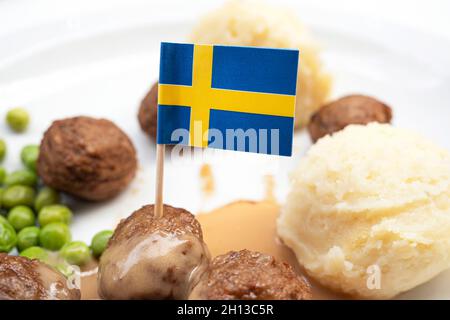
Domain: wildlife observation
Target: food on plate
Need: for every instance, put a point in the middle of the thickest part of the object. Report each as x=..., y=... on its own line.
x=253, y=23
x=207, y=180
x=25, y=279
x=100, y=242
x=153, y=258
x=22, y=177
x=252, y=224
x=54, y=236
x=37, y=253
x=368, y=211
x=8, y=236
x=3, y=149
x=18, y=195
x=28, y=237
x=21, y=217
x=76, y=253
x=148, y=110
x=353, y=109
x=88, y=158
x=29, y=156
x=18, y=119
x=21, y=230
x=54, y=213
x=2, y=179
x=45, y=197
x=248, y=275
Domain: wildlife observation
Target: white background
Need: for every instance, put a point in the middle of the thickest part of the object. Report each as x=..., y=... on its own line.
x=430, y=15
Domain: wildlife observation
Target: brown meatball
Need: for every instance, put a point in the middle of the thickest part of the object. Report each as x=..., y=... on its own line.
x=153, y=258
x=247, y=275
x=353, y=109
x=89, y=158
x=148, y=110
x=25, y=279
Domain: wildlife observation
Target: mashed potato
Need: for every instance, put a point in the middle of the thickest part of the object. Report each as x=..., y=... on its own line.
x=251, y=23
x=370, y=201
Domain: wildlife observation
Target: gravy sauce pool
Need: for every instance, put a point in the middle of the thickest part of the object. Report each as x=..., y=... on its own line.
x=88, y=285
x=88, y=281
x=252, y=225
x=207, y=180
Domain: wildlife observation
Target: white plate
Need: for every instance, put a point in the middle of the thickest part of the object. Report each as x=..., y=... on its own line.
x=101, y=63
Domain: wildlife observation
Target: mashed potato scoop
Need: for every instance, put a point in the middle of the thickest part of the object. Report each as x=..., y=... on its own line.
x=368, y=212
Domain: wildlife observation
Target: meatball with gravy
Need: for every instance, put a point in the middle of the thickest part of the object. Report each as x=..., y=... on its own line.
x=248, y=275
x=153, y=258
x=25, y=279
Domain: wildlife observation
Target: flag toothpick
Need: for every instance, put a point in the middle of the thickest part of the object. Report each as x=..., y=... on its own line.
x=225, y=89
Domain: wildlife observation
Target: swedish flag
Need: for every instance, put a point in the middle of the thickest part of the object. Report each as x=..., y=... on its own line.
x=236, y=98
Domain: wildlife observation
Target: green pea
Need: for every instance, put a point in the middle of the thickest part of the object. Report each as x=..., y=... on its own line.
x=100, y=241
x=35, y=253
x=46, y=197
x=18, y=195
x=54, y=213
x=66, y=269
x=2, y=190
x=54, y=235
x=8, y=236
x=20, y=217
x=18, y=119
x=22, y=177
x=2, y=175
x=29, y=156
x=28, y=237
x=76, y=252
x=2, y=149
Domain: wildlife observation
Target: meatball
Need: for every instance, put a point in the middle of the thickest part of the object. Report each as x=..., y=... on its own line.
x=247, y=275
x=353, y=109
x=88, y=158
x=148, y=110
x=153, y=258
x=25, y=279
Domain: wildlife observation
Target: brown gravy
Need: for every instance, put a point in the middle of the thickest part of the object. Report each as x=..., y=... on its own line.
x=251, y=225
x=207, y=180
x=88, y=285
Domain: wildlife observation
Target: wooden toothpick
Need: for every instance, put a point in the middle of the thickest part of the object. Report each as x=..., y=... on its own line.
x=160, y=152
